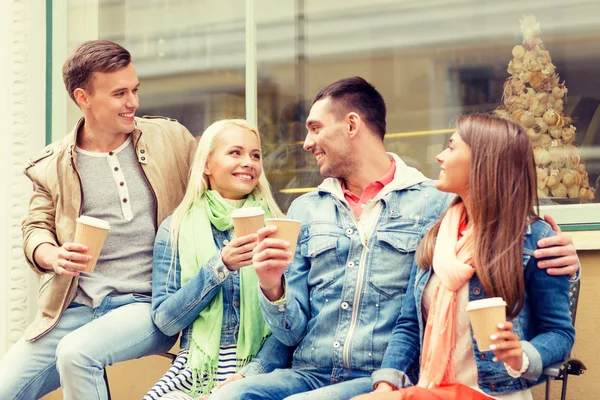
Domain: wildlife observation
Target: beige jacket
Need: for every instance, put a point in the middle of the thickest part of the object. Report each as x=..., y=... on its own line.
x=165, y=150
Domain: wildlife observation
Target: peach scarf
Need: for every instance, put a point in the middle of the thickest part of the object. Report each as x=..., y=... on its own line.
x=453, y=265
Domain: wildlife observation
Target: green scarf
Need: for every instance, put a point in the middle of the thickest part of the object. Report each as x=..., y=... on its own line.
x=196, y=246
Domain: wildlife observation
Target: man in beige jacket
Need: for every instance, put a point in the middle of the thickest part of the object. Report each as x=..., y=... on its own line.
x=131, y=172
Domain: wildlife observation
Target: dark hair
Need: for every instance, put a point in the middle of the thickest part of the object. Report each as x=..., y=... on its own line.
x=503, y=196
x=92, y=56
x=357, y=95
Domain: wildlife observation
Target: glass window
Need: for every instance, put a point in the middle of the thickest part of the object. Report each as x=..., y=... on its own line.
x=189, y=55
x=432, y=61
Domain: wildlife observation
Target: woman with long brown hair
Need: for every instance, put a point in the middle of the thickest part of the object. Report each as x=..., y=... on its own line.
x=481, y=247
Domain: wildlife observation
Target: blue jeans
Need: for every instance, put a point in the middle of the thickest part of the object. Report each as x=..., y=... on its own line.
x=74, y=353
x=297, y=384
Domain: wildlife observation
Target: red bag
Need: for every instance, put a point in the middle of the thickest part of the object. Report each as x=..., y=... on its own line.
x=453, y=391
x=444, y=392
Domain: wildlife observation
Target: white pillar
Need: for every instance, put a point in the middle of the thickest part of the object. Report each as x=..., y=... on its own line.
x=251, y=65
x=22, y=93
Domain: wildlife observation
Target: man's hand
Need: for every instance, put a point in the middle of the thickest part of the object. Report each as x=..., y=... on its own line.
x=231, y=378
x=64, y=260
x=559, y=246
x=271, y=258
x=238, y=253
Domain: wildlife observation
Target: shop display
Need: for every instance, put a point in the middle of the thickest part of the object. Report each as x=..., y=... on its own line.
x=535, y=97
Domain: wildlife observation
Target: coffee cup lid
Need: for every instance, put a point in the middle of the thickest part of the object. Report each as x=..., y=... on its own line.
x=95, y=222
x=485, y=303
x=294, y=221
x=247, y=212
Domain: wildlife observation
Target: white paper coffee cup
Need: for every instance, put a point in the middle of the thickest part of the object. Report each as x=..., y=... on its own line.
x=91, y=232
x=287, y=229
x=248, y=220
x=485, y=315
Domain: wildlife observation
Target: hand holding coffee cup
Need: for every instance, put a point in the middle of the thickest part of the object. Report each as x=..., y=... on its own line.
x=91, y=232
x=288, y=230
x=485, y=315
x=507, y=347
x=239, y=251
x=69, y=259
x=275, y=251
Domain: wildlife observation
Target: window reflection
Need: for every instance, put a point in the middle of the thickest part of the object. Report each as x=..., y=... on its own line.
x=431, y=60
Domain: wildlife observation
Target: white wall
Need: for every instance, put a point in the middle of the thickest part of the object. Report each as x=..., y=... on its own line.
x=22, y=91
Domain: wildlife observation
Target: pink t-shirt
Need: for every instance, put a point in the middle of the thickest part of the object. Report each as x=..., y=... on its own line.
x=372, y=189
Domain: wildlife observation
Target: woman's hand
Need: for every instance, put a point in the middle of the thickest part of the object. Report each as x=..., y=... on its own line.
x=231, y=378
x=383, y=387
x=238, y=252
x=506, y=346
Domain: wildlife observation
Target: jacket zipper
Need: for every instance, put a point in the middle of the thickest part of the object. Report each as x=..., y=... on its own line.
x=357, y=291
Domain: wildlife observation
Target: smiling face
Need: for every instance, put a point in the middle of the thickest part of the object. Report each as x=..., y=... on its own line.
x=233, y=167
x=455, y=167
x=327, y=140
x=112, y=100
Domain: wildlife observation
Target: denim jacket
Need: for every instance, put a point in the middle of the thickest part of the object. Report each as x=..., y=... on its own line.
x=344, y=288
x=544, y=326
x=174, y=307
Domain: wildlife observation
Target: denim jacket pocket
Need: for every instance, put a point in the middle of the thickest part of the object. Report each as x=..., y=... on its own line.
x=396, y=251
x=321, y=249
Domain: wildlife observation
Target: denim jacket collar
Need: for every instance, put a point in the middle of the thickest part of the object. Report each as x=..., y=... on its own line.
x=404, y=177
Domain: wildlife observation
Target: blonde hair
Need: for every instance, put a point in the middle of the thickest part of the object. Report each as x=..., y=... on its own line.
x=198, y=183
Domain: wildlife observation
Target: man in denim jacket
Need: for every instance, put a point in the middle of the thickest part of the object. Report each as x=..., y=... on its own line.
x=340, y=298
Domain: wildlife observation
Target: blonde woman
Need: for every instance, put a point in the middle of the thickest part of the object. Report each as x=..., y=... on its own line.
x=200, y=285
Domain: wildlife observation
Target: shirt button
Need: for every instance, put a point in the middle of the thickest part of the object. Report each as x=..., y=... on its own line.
x=236, y=272
x=281, y=308
x=336, y=345
x=493, y=386
x=349, y=231
x=370, y=355
x=351, y=264
x=236, y=304
x=116, y=168
x=225, y=242
x=222, y=275
x=476, y=291
x=143, y=158
x=142, y=151
x=124, y=200
x=345, y=305
x=482, y=356
x=110, y=153
x=122, y=183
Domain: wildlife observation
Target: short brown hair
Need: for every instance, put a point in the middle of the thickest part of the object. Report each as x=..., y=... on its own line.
x=92, y=56
x=357, y=95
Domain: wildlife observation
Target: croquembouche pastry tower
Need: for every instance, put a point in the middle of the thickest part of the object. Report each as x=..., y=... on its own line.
x=534, y=97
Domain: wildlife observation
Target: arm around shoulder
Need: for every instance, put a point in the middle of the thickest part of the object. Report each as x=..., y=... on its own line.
x=550, y=317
